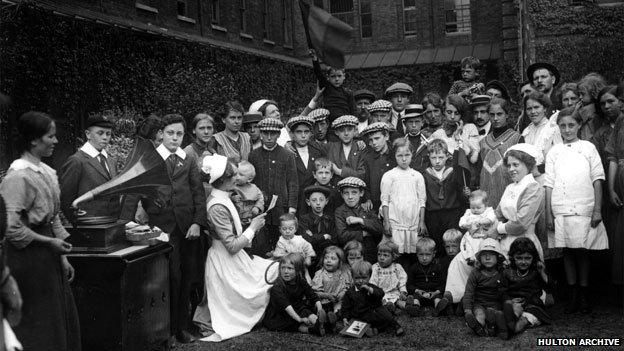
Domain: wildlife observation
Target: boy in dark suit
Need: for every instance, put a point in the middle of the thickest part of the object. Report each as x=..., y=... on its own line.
x=88, y=168
x=413, y=119
x=346, y=156
x=181, y=212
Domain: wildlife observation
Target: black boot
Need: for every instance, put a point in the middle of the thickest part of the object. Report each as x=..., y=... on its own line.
x=573, y=305
x=583, y=304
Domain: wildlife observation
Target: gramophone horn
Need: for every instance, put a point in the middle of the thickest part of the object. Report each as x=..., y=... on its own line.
x=145, y=171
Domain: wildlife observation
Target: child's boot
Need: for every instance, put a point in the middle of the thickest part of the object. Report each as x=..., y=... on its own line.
x=583, y=304
x=474, y=324
x=501, y=327
x=490, y=322
x=441, y=306
x=412, y=307
x=572, y=304
x=320, y=323
x=510, y=315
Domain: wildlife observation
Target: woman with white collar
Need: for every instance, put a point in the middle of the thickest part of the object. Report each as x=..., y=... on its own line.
x=236, y=288
x=522, y=202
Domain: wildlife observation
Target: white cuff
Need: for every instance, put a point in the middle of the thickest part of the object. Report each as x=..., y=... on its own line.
x=249, y=234
x=500, y=228
x=312, y=104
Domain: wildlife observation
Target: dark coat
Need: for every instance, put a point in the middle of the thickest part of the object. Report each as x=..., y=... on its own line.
x=81, y=173
x=353, y=166
x=305, y=175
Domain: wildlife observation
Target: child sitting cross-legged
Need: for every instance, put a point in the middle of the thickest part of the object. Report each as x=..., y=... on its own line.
x=483, y=297
x=523, y=284
x=331, y=282
x=364, y=302
x=317, y=227
x=426, y=279
x=289, y=242
x=390, y=276
x=292, y=300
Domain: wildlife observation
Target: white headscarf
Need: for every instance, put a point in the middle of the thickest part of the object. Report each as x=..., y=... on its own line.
x=214, y=165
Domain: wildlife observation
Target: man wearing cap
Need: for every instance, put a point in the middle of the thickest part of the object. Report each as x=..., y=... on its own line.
x=479, y=106
x=496, y=88
x=399, y=94
x=345, y=155
x=276, y=174
x=305, y=152
x=250, y=126
x=88, y=168
x=363, y=98
x=544, y=77
x=378, y=159
x=413, y=121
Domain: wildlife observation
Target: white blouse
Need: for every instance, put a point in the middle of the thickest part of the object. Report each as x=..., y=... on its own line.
x=543, y=136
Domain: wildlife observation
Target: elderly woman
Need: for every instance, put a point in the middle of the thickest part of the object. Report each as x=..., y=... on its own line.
x=231, y=142
x=236, y=289
x=522, y=202
x=36, y=245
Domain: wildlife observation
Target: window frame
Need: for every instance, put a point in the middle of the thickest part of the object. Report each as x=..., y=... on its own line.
x=462, y=23
x=370, y=16
x=406, y=10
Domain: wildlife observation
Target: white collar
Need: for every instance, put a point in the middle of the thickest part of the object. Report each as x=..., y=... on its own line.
x=486, y=127
x=165, y=153
x=528, y=179
x=90, y=150
x=218, y=193
x=21, y=163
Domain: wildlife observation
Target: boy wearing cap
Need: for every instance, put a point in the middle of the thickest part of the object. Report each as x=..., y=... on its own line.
x=305, y=153
x=88, y=168
x=317, y=226
x=378, y=159
x=345, y=154
x=380, y=111
x=413, y=121
x=250, y=126
x=353, y=222
x=399, y=94
x=336, y=98
x=320, y=126
x=276, y=174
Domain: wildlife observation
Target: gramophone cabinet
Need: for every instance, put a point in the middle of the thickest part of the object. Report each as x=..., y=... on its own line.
x=123, y=298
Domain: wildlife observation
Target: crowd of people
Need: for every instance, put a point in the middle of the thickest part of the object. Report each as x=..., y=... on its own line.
x=357, y=208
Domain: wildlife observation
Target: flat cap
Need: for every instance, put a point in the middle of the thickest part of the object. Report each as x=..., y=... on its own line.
x=364, y=94
x=375, y=127
x=413, y=110
x=270, y=125
x=294, y=121
x=543, y=65
x=319, y=114
x=316, y=189
x=351, y=182
x=346, y=120
x=380, y=105
x=98, y=120
x=252, y=117
x=399, y=88
x=479, y=100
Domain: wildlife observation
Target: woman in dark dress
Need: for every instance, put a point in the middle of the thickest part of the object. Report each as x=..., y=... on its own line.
x=36, y=241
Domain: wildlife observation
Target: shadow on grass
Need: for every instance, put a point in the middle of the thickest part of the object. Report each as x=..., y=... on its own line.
x=429, y=333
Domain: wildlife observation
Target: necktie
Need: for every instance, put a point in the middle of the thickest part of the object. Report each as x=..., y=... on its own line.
x=102, y=160
x=171, y=163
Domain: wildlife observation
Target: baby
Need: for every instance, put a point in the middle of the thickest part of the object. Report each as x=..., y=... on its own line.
x=290, y=243
x=248, y=197
x=477, y=220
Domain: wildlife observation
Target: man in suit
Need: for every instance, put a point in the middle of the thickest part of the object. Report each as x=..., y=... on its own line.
x=90, y=167
x=180, y=210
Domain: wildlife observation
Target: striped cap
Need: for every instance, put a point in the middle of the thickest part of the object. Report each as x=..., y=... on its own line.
x=294, y=121
x=270, y=124
x=375, y=127
x=399, y=88
x=320, y=114
x=479, y=100
x=351, y=182
x=413, y=110
x=380, y=105
x=346, y=120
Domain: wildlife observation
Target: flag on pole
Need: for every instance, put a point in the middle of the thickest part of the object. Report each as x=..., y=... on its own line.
x=460, y=161
x=326, y=34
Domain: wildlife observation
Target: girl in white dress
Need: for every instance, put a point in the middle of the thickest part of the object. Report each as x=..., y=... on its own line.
x=573, y=181
x=403, y=198
x=237, y=292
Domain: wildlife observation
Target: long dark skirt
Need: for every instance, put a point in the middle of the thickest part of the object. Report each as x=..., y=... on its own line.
x=617, y=241
x=49, y=316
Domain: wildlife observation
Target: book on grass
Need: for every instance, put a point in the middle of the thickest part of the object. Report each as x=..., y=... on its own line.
x=355, y=329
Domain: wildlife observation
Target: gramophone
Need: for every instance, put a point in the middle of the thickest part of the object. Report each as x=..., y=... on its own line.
x=144, y=172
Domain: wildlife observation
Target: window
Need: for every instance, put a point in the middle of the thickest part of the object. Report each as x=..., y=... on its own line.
x=410, y=17
x=243, y=15
x=457, y=16
x=366, y=19
x=265, y=19
x=342, y=10
x=215, y=12
x=182, y=8
x=287, y=22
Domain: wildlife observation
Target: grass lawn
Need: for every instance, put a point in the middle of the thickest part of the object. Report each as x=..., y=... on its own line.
x=435, y=334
